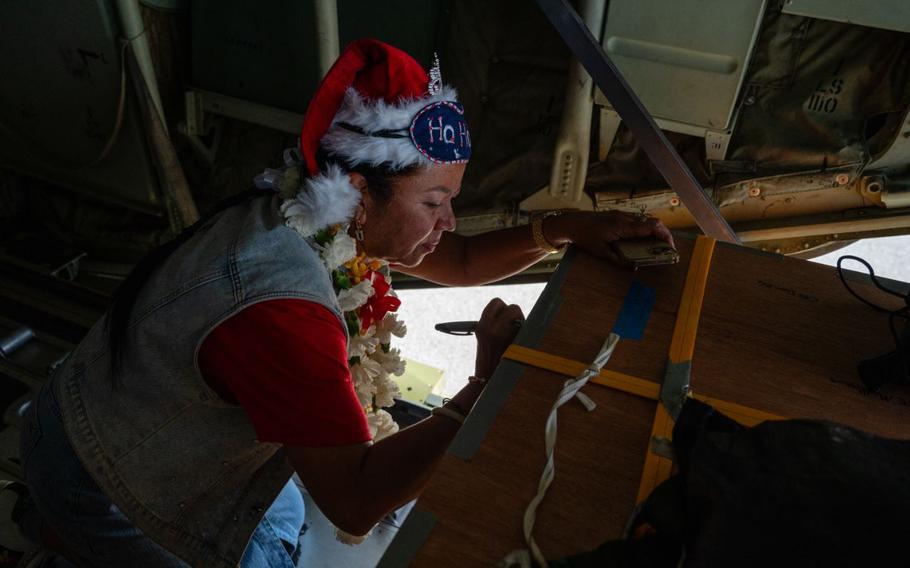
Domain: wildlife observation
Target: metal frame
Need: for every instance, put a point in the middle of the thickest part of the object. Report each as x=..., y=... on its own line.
x=662, y=154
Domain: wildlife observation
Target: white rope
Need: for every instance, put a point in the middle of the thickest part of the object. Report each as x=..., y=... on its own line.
x=569, y=391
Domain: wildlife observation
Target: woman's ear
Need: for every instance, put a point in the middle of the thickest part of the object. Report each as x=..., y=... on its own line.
x=358, y=181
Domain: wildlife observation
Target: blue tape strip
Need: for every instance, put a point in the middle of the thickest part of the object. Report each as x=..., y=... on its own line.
x=635, y=312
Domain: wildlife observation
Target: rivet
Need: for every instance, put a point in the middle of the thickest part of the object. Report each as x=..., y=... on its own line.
x=842, y=179
x=777, y=250
x=750, y=100
x=182, y=505
x=874, y=187
x=805, y=245
x=754, y=191
x=674, y=201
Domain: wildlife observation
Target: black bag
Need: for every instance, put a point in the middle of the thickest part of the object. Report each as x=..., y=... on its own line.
x=787, y=493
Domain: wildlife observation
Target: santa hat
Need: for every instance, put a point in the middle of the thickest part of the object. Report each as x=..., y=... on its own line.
x=375, y=106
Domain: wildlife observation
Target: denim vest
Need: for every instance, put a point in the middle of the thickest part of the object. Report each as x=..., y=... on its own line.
x=181, y=463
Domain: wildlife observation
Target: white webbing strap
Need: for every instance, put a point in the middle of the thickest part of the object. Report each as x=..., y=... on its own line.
x=569, y=391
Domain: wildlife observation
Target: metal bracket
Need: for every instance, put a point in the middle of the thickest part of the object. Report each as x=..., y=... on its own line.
x=662, y=447
x=675, y=388
x=199, y=102
x=70, y=269
x=716, y=144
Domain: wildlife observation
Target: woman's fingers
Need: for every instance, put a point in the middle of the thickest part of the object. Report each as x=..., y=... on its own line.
x=492, y=309
x=496, y=329
x=499, y=319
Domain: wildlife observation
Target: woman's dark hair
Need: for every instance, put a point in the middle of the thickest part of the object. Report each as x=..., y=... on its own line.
x=379, y=183
x=379, y=178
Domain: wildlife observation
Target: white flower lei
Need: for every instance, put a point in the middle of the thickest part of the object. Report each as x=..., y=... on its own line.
x=370, y=356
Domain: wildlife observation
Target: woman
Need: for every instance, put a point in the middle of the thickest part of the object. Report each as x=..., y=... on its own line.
x=225, y=364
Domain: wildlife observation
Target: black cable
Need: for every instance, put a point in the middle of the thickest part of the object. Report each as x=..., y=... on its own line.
x=840, y=274
x=903, y=312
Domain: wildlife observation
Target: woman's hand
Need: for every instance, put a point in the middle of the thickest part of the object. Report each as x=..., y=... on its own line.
x=495, y=331
x=595, y=232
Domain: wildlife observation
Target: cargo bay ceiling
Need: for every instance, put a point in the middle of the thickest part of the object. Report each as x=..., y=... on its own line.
x=793, y=120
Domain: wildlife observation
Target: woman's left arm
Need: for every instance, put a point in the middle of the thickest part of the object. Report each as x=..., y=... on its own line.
x=492, y=256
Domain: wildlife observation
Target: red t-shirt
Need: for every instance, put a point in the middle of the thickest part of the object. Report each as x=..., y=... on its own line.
x=285, y=362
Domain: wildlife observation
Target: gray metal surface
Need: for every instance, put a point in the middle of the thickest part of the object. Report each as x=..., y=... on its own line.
x=60, y=64
x=662, y=154
x=897, y=156
x=685, y=59
x=885, y=14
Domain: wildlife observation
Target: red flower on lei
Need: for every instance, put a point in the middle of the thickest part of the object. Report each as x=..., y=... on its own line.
x=379, y=303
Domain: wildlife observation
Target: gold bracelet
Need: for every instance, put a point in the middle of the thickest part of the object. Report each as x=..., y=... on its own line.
x=539, y=239
x=448, y=413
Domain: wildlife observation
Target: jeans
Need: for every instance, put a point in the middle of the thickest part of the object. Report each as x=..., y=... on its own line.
x=95, y=532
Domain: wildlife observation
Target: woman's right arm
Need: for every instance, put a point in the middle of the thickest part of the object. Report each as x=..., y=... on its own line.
x=355, y=486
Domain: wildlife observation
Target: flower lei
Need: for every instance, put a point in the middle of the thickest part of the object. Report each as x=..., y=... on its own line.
x=365, y=297
x=368, y=303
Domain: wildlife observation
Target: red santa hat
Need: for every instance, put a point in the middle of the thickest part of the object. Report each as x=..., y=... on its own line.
x=365, y=108
x=375, y=106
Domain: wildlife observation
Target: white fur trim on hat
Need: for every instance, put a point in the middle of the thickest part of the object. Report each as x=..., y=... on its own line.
x=326, y=199
x=372, y=116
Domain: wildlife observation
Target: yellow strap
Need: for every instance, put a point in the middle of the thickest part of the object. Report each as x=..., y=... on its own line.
x=743, y=414
x=568, y=367
x=682, y=347
x=629, y=384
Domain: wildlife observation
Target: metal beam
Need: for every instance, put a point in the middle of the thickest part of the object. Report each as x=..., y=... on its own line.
x=588, y=52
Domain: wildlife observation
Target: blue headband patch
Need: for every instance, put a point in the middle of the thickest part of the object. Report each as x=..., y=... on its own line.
x=440, y=133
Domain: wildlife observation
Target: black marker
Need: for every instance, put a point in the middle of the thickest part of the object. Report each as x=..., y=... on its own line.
x=457, y=327
x=466, y=327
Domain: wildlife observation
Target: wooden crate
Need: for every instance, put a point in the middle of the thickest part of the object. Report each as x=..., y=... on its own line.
x=777, y=334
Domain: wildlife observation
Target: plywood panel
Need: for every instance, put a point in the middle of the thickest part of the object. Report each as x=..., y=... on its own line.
x=784, y=335
x=479, y=504
x=777, y=334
